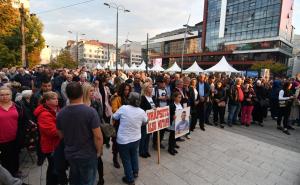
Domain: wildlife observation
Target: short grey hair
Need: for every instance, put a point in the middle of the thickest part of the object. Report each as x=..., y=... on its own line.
x=134, y=99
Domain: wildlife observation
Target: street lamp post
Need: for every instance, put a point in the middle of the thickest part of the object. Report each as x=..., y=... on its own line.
x=77, y=48
x=122, y=8
x=187, y=31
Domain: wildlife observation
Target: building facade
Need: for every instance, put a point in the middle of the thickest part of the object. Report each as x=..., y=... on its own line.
x=92, y=52
x=131, y=53
x=244, y=31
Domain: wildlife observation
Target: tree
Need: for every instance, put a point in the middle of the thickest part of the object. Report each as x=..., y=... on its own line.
x=7, y=57
x=64, y=59
x=8, y=18
x=10, y=35
x=276, y=68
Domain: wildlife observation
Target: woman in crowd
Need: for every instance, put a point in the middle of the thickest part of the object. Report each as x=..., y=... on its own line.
x=174, y=106
x=105, y=97
x=285, y=103
x=247, y=103
x=118, y=99
x=49, y=139
x=131, y=119
x=89, y=100
x=11, y=132
x=261, y=104
x=193, y=101
x=276, y=87
x=29, y=121
x=147, y=103
x=219, y=104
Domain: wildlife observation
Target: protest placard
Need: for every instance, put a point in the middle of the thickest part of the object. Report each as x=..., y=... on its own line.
x=158, y=119
x=182, y=122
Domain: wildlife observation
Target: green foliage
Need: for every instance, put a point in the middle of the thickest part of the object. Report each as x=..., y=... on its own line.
x=11, y=38
x=64, y=59
x=276, y=68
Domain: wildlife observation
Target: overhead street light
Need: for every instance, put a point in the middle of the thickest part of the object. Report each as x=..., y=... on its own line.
x=187, y=31
x=122, y=8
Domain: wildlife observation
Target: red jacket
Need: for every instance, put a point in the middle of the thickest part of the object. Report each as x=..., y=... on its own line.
x=46, y=119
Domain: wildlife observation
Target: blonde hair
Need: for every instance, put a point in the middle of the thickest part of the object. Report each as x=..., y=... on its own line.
x=48, y=96
x=86, y=87
x=144, y=87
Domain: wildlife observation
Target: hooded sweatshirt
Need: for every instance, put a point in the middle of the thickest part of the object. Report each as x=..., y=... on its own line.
x=46, y=119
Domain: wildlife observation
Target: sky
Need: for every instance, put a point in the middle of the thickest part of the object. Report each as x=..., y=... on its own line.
x=98, y=22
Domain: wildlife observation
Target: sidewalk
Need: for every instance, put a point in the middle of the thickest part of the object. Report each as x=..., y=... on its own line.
x=233, y=156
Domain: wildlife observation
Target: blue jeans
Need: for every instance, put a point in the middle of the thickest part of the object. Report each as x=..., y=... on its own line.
x=83, y=171
x=144, y=143
x=129, y=156
x=234, y=110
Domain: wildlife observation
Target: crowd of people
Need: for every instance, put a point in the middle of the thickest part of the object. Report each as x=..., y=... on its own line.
x=64, y=115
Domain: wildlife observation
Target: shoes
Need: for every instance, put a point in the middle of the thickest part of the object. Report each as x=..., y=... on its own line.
x=148, y=155
x=116, y=162
x=286, y=132
x=124, y=179
x=162, y=146
x=143, y=155
x=202, y=128
x=279, y=128
x=290, y=128
x=229, y=124
x=171, y=152
x=261, y=124
x=216, y=123
x=180, y=139
x=175, y=151
x=188, y=136
x=135, y=175
x=177, y=146
x=221, y=126
x=100, y=182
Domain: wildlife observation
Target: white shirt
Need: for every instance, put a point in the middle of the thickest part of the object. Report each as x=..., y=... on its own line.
x=196, y=93
x=178, y=106
x=150, y=100
x=131, y=119
x=280, y=97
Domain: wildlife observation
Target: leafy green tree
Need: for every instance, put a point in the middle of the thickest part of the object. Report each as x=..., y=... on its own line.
x=64, y=59
x=7, y=57
x=275, y=67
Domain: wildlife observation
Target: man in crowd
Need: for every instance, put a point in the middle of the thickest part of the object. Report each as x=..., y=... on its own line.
x=23, y=78
x=203, y=90
x=79, y=126
x=137, y=83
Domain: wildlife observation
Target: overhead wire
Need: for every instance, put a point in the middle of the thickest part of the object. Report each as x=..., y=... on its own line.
x=66, y=6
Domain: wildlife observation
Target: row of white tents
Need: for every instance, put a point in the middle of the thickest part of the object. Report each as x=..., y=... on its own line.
x=221, y=66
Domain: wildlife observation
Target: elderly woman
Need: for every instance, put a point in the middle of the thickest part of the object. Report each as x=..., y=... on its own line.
x=131, y=119
x=10, y=131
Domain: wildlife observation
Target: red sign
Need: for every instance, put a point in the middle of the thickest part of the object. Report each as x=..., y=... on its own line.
x=158, y=119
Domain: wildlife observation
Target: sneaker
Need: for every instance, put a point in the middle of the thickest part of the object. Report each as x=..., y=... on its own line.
x=286, y=132
x=188, y=136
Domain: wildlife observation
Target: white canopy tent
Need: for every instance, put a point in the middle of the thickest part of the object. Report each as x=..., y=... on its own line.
x=114, y=67
x=133, y=67
x=99, y=66
x=195, y=68
x=174, y=68
x=126, y=67
x=157, y=68
x=142, y=67
x=222, y=66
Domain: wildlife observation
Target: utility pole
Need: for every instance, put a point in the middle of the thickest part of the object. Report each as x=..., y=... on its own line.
x=23, y=46
x=184, y=41
x=147, y=54
x=117, y=40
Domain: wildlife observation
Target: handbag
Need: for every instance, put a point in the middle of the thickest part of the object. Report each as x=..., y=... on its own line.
x=282, y=103
x=221, y=104
x=108, y=130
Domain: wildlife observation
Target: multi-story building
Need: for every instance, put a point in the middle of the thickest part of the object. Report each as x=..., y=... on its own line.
x=131, y=53
x=296, y=43
x=46, y=55
x=92, y=52
x=244, y=31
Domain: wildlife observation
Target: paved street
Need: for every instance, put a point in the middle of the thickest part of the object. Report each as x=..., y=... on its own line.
x=233, y=156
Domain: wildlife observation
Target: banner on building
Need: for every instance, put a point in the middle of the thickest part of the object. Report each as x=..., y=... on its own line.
x=182, y=122
x=158, y=119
